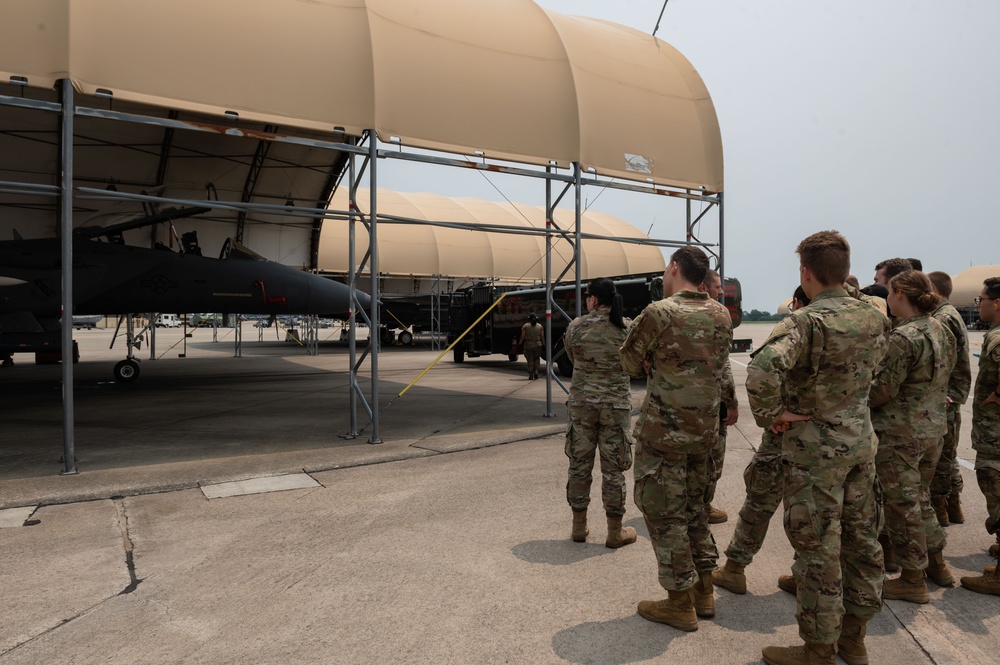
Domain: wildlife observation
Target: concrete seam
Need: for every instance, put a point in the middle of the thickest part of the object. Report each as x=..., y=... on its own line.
x=910, y=633
x=490, y=444
x=128, y=546
x=122, y=519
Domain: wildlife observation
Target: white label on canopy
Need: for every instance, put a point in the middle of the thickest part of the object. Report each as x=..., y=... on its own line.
x=638, y=163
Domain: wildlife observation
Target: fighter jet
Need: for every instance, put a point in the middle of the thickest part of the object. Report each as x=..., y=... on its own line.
x=114, y=278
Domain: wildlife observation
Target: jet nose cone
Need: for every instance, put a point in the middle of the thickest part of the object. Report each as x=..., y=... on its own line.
x=335, y=297
x=364, y=299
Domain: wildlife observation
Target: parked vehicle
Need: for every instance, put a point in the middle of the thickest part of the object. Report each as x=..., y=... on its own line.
x=168, y=321
x=499, y=331
x=87, y=322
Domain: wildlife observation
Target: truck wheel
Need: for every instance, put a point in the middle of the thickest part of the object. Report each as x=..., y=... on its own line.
x=126, y=371
x=458, y=354
x=405, y=338
x=565, y=366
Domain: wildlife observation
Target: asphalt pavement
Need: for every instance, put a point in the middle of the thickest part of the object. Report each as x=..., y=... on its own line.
x=220, y=517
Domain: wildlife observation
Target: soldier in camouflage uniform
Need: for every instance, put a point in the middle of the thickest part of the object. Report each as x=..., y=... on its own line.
x=986, y=430
x=811, y=381
x=908, y=403
x=764, y=479
x=599, y=408
x=683, y=342
x=729, y=413
x=946, y=489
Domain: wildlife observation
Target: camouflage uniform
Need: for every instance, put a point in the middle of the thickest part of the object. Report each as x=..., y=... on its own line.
x=687, y=338
x=718, y=456
x=819, y=362
x=764, y=479
x=532, y=346
x=947, y=477
x=599, y=408
x=908, y=413
x=986, y=428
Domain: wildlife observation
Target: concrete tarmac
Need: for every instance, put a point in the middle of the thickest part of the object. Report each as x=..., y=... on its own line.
x=439, y=545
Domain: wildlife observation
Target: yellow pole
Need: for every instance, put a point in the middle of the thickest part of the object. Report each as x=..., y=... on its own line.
x=460, y=338
x=401, y=324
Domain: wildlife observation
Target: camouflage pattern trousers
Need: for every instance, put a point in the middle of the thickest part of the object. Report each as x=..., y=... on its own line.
x=905, y=468
x=715, y=461
x=672, y=501
x=948, y=477
x=532, y=355
x=604, y=428
x=831, y=519
x=988, y=477
x=765, y=482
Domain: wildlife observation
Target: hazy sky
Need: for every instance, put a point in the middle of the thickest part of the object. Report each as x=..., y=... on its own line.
x=878, y=119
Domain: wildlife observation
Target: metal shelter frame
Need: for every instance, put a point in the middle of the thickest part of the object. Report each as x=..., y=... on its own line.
x=353, y=148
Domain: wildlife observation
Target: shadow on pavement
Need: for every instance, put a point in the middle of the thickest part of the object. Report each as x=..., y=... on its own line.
x=764, y=615
x=630, y=639
x=558, y=552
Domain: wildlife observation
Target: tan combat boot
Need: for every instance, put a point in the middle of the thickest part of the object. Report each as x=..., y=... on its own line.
x=730, y=577
x=955, y=513
x=703, y=595
x=787, y=584
x=910, y=586
x=988, y=582
x=940, y=504
x=676, y=610
x=807, y=654
x=618, y=535
x=580, y=529
x=937, y=570
x=888, y=554
x=716, y=515
x=851, y=645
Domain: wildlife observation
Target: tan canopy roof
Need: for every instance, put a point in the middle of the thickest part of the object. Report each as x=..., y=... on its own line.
x=423, y=250
x=507, y=78
x=967, y=284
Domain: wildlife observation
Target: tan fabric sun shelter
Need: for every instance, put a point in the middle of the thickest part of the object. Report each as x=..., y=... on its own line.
x=967, y=284
x=504, y=77
x=423, y=250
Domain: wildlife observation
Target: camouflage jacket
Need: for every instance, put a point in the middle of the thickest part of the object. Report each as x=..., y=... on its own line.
x=879, y=303
x=909, y=390
x=961, y=377
x=687, y=338
x=592, y=344
x=728, y=387
x=819, y=362
x=986, y=417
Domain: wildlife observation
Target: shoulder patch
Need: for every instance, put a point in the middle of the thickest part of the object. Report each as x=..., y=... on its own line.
x=992, y=343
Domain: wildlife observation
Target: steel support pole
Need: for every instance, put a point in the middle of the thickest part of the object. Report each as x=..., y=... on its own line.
x=722, y=246
x=578, y=190
x=688, y=231
x=66, y=237
x=352, y=347
x=376, y=339
x=548, y=296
